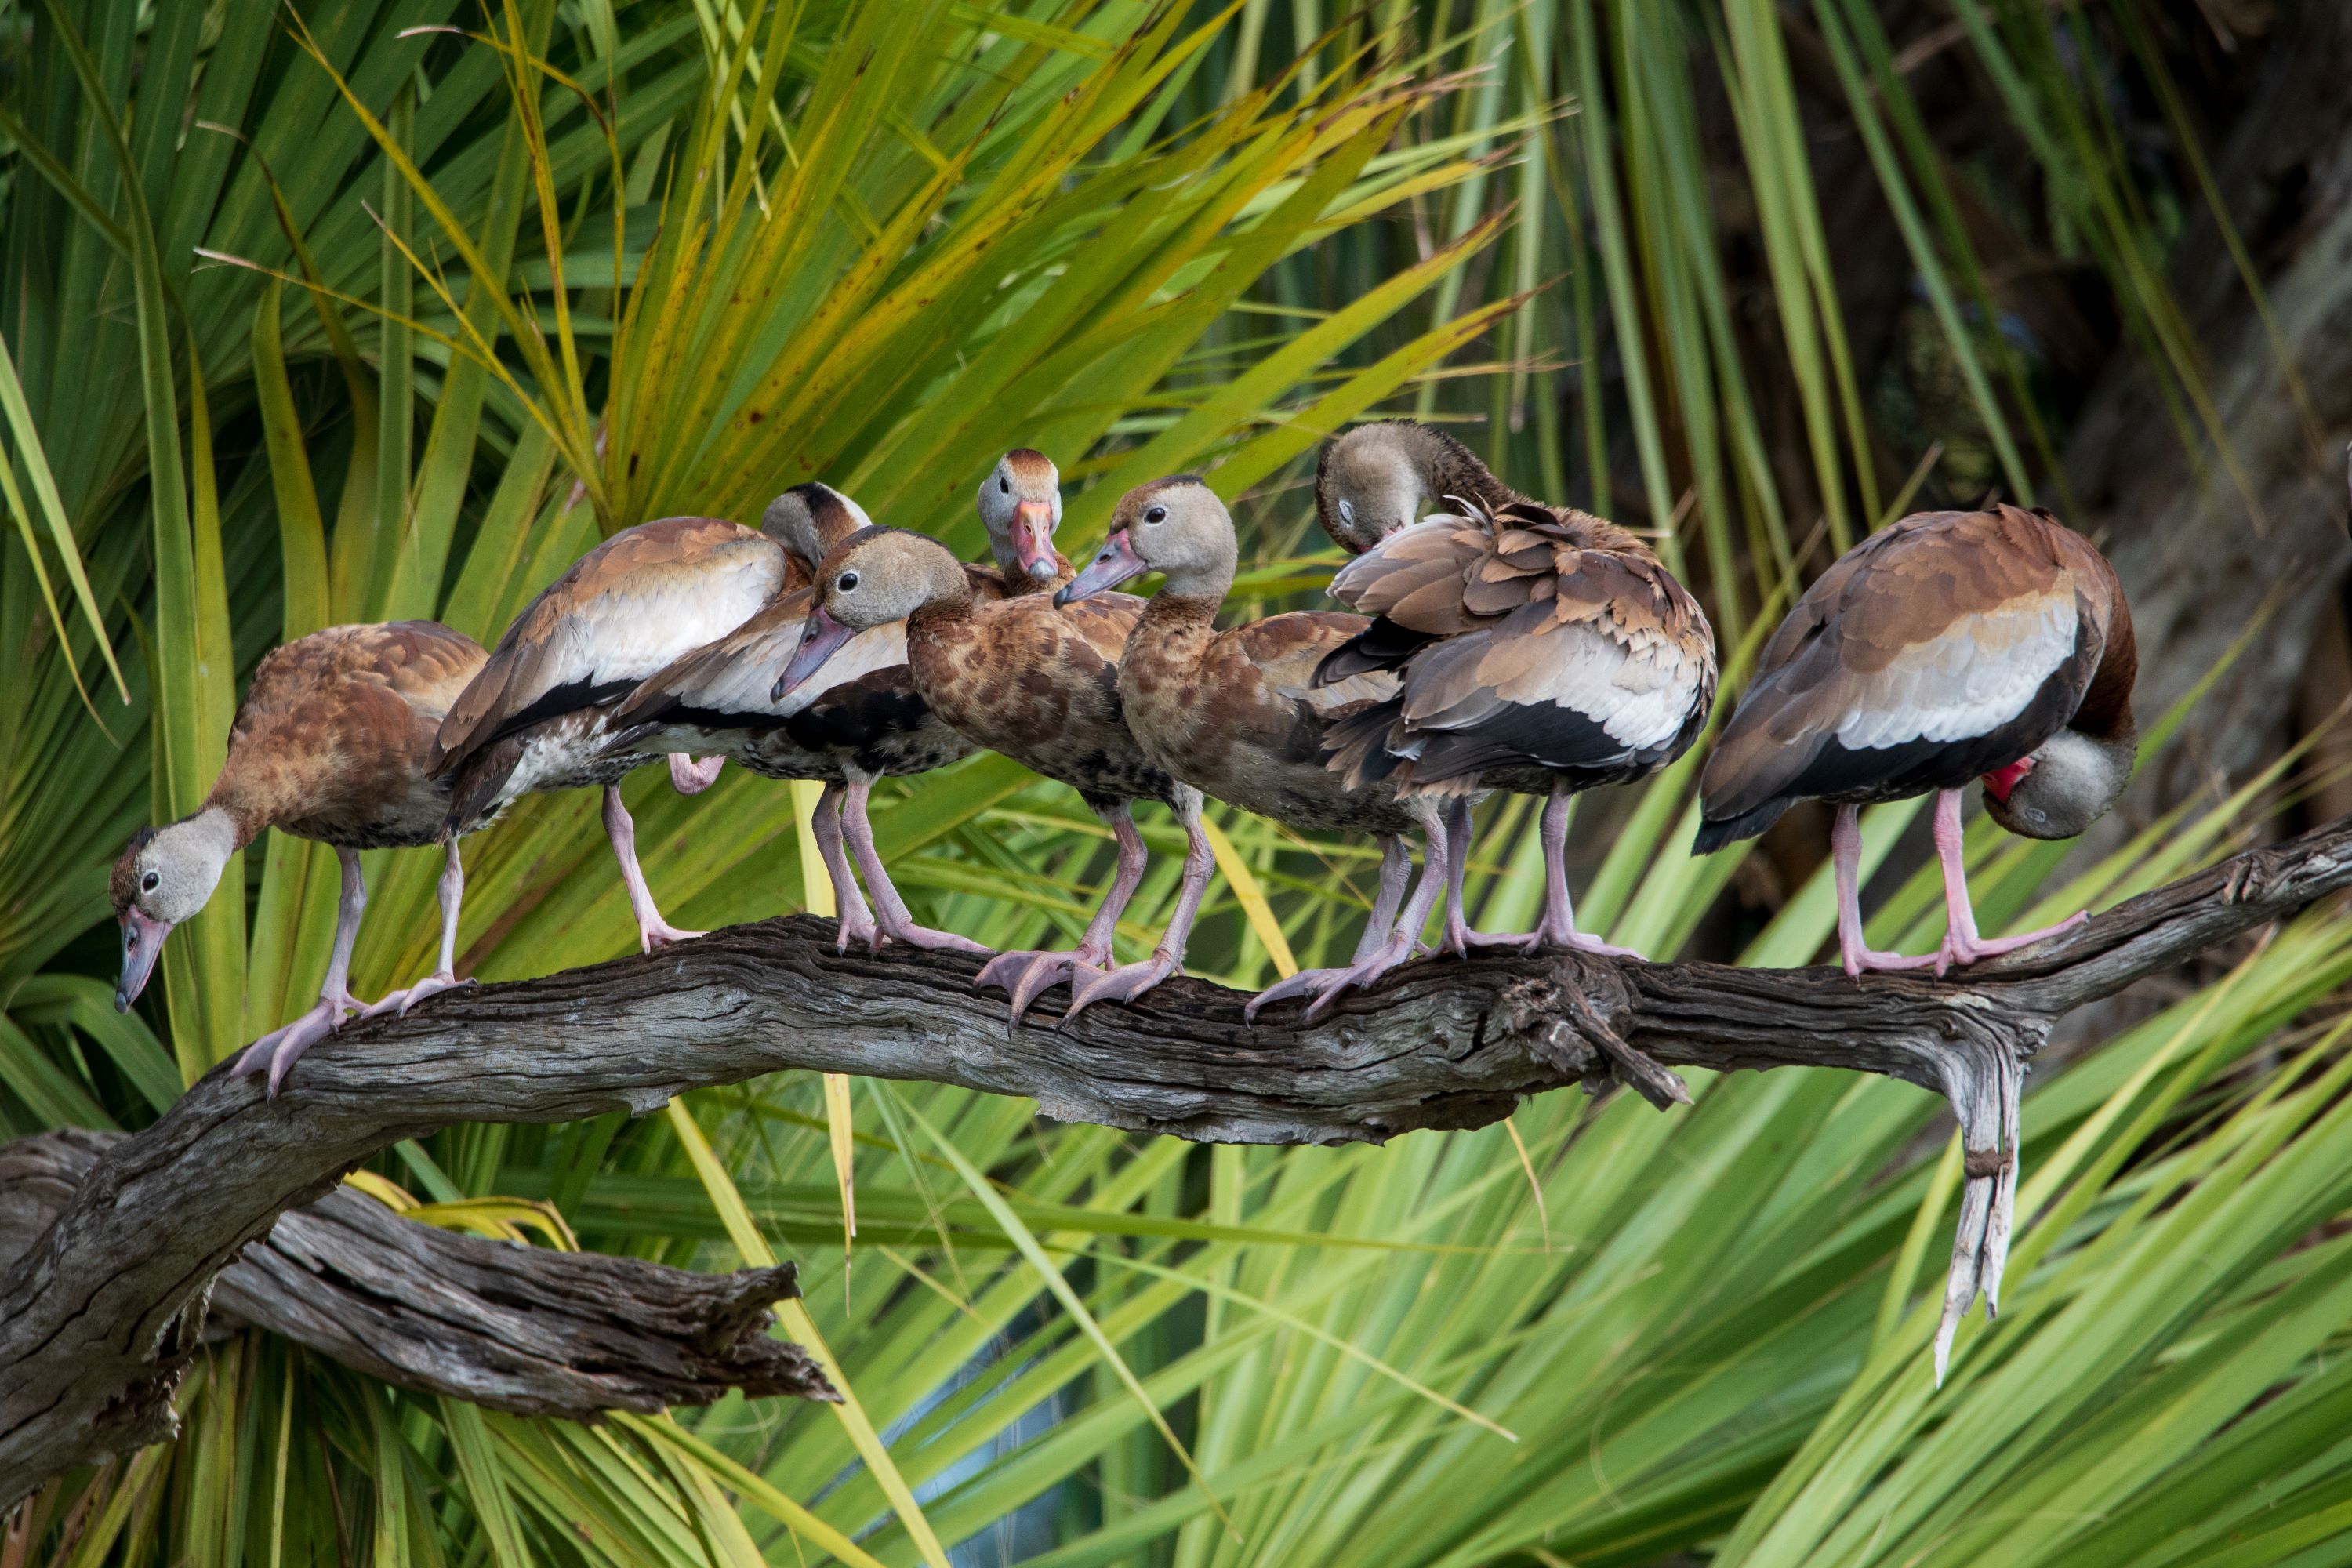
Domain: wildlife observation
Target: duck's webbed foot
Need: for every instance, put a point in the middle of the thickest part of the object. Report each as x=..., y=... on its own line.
x=1125, y=984
x=1461, y=937
x=1306, y=982
x=1557, y=932
x=1964, y=947
x=896, y=928
x=855, y=926
x=1026, y=974
x=280, y=1050
x=1860, y=961
x=1365, y=972
x=690, y=777
x=400, y=1002
x=657, y=932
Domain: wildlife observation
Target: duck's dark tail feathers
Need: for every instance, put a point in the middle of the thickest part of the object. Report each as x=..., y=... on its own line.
x=474, y=792
x=1714, y=833
x=1383, y=645
x=631, y=739
x=1356, y=747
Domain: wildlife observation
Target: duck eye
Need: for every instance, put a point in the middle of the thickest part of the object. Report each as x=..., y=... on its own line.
x=151, y=881
x=1348, y=512
x=847, y=583
x=1155, y=514
x=1003, y=485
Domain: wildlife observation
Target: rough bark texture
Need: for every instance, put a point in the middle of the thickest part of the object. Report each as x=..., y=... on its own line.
x=98, y=1318
x=520, y=1329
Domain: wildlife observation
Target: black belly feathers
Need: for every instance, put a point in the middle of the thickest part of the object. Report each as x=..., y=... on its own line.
x=1939, y=651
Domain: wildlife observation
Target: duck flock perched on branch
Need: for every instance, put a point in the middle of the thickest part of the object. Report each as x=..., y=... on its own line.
x=1497, y=643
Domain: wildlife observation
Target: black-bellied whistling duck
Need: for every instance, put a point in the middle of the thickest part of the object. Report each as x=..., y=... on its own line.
x=1021, y=503
x=329, y=744
x=1490, y=699
x=1237, y=715
x=1025, y=677
x=863, y=720
x=1542, y=651
x=1949, y=645
x=539, y=715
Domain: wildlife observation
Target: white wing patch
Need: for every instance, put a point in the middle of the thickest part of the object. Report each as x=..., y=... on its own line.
x=1641, y=699
x=1977, y=676
x=654, y=617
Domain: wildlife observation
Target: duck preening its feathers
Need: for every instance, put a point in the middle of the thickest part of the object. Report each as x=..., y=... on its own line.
x=860, y=721
x=1947, y=647
x=1529, y=638
x=1389, y=474
x=538, y=716
x=1539, y=649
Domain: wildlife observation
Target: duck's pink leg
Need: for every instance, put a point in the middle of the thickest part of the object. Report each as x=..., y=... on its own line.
x=889, y=908
x=1396, y=871
x=1459, y=938
x=1558, y=926
x=1961, y=943
x=281, y=1048
x=653, y=932
x=1130, y=981
x=855, y=920
x=1846, y=850
x=1399, y=946
x=453, y=895
x=1027, y=974
x=690, y=777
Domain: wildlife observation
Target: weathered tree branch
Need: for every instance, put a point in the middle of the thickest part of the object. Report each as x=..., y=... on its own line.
x=520, y=1329
x=97, y=1318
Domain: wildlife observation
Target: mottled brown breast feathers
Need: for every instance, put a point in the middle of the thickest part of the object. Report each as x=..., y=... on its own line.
x=1038, y=683
x=332, y=738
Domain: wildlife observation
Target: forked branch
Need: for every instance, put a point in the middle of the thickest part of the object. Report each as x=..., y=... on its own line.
x=98, y=1316
x=521, y=1329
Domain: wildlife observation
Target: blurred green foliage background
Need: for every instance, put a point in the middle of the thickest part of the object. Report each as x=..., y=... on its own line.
x=358, y=310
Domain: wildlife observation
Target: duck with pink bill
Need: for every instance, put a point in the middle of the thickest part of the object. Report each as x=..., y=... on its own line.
x=329, y=744
x=1238, y=715
x=1023, y=676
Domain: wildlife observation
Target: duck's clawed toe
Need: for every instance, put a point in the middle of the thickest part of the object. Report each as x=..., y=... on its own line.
x=1026, y=975
x=930, y=940
x=1460, y=940
x=280, y=1050
x=858, y=931
x=1125, y=984
x=659, y=933
x=1961, y=949
x=399, y=1002
x=1559, y=937
x=1363, y=972
x=1306, y=982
